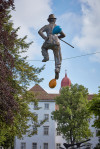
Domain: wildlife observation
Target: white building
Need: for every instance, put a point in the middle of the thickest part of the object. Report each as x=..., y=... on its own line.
x=47, y=136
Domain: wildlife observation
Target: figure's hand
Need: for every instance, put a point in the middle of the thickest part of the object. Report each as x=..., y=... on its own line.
x=62, y=35
x=59, y=37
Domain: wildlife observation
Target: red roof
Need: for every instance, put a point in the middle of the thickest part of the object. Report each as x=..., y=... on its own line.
x=65, y=81
x=90, y=96
x=41, y=94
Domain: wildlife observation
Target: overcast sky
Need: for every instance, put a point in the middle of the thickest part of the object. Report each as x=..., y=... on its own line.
x=80, y=21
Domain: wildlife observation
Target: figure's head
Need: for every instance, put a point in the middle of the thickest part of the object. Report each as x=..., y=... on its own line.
x=51, y=18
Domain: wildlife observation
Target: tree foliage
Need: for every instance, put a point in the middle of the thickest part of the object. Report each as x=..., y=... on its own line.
x=94, y=107
x=7, y=37
x=72, y=115
x=15, y=72
x=15, y=77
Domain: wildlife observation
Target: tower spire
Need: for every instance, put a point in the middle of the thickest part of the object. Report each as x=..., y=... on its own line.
x=65, y=72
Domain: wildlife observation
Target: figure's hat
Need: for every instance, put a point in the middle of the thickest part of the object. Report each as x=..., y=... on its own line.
x=51, y=16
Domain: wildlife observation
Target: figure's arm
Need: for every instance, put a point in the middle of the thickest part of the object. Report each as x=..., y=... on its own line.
x=40, y=32
x=62, y=35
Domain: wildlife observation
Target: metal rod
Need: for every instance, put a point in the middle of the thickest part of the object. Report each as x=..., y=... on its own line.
x=67, y=43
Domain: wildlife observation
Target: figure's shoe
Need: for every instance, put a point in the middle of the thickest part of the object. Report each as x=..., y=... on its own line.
x=56, y=75
x=45, y=59
x=57, y=71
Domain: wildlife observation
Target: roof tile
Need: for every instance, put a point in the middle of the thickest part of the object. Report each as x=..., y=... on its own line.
x=41, y=94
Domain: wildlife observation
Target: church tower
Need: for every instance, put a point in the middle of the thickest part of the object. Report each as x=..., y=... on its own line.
x=65, y=81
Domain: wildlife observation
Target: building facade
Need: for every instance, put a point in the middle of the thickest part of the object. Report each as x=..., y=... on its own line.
x=47, y=137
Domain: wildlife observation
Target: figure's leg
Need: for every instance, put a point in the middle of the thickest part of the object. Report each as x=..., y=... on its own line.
x=45, y=53
x=58, y=59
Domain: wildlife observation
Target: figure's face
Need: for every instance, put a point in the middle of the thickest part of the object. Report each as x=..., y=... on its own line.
x=52, y=20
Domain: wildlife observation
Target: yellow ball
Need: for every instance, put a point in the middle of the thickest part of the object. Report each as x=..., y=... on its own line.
x=52, y=83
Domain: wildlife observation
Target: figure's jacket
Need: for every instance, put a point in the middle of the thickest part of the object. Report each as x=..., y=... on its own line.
x=51, y=38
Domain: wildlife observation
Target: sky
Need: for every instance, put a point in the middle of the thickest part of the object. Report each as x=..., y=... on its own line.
x=80, y=21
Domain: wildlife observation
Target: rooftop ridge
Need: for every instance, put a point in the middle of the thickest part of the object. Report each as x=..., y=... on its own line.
x=38, y=88
x=41, y=94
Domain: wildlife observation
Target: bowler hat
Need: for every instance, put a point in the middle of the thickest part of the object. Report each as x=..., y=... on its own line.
x=51, y=16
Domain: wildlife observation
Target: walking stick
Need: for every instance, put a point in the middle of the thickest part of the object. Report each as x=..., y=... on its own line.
x=67, y=43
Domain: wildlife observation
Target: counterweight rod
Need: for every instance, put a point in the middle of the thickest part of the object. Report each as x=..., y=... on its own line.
x=67, y=43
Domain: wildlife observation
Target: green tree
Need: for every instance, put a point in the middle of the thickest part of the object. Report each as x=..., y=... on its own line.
x=72, y=114
x=15, y=72
x=94, y=107
x=15, y=76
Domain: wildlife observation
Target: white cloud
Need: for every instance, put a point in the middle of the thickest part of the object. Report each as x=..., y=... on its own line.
x=31, y=14
x=70, y=23
x=89, y=38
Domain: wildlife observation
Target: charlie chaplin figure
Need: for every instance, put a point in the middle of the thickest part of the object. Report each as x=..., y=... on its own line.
x=52, y=42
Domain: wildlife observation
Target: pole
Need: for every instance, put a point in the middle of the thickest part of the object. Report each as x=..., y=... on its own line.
x=67, y=43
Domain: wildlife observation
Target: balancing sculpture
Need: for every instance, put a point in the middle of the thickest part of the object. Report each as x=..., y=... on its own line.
x=52, y=42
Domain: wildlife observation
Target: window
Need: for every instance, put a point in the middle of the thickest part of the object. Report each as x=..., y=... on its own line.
x=45, y=146
x=46, y=130
x=34, y=146
x=46, y=106
x=46, y=117
x=58, y=145
x=58, y=133
x=35, y=107
x=23, y=145
x=35, y=130
x=97, y=132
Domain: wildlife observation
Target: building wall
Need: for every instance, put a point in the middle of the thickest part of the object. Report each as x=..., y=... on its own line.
x=52, y=138
x=40, y=138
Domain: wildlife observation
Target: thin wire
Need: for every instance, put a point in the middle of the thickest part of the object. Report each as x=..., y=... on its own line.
x=71, y=57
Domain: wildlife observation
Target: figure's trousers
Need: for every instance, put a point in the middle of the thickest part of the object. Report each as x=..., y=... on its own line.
x=57, y=54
